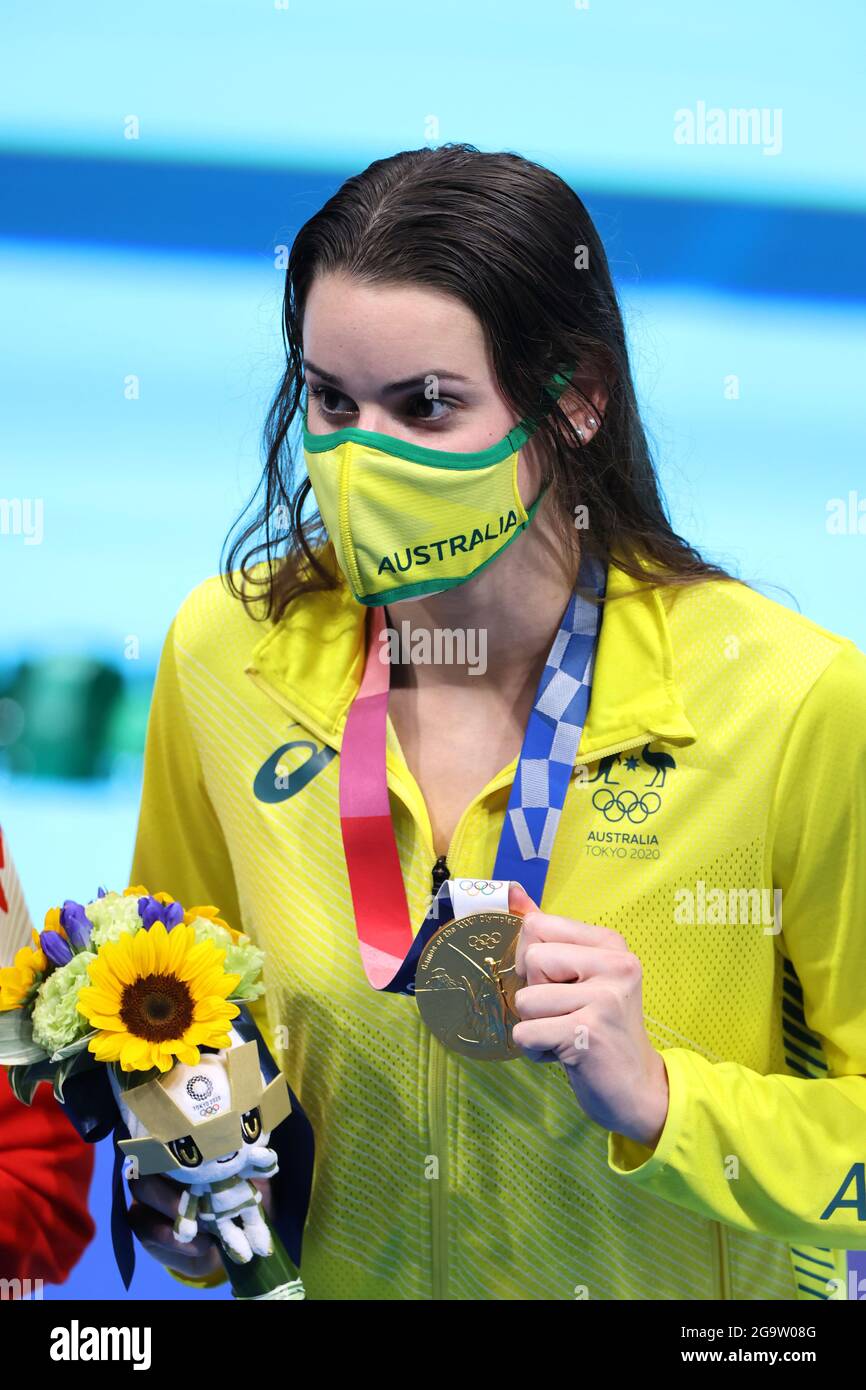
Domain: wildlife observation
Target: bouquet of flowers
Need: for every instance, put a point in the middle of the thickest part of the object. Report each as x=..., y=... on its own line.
x=135, y=1010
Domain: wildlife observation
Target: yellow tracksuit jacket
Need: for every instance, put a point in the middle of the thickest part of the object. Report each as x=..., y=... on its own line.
x=726, y=752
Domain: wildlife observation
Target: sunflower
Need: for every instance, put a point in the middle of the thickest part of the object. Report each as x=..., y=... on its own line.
x=158, y=996
x=17, y=981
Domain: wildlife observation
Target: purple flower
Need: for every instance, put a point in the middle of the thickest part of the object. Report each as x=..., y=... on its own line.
x=55, y=948
x=100, y=892
x=150, y=910
x=76, y=923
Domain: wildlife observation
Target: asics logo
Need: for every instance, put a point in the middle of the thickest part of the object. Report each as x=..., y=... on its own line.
x=273, y=784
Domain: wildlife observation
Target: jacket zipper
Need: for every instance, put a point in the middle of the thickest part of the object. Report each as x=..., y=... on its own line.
x=437, y=1103
x=720, y=1261
x=437, y=1118
x=440, y=873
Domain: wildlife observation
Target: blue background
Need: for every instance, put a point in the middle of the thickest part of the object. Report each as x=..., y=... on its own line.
x=154, y=257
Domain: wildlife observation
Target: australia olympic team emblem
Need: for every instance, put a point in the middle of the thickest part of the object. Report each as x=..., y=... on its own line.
x=630, y=803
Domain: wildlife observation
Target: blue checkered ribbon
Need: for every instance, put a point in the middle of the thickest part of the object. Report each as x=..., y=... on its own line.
x=544, y=768
x=550, y=743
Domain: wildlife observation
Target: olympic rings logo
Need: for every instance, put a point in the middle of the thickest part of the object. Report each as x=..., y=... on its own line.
x=485, y=941
x=626, y=806
x=477, y=887
x=208, y=1109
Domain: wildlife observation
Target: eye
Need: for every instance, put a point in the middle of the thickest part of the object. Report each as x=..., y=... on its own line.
x=320, y=392
x=186, y=1151
x=428, y=403
x=251, y=1126
x=417, y=407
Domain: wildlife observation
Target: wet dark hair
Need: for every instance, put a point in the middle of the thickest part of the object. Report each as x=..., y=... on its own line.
x=513, y=242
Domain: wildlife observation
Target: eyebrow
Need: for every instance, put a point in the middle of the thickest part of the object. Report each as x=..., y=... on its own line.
x=392, y=385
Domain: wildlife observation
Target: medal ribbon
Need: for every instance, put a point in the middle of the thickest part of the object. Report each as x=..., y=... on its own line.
x=389, y=947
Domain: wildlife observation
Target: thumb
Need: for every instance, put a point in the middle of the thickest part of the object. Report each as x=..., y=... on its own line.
x=519, y=900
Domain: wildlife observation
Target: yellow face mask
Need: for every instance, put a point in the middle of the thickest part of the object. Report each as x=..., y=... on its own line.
x=407, y=520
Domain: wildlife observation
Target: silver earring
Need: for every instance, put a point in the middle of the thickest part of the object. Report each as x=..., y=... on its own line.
x=592, y=423
x=579, y=432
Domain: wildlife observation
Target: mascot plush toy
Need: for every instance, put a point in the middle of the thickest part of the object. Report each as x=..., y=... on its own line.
x=207, y=1128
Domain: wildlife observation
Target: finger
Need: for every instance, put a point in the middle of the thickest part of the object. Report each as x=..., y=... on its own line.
x=550, y=926
x=535, y=929
x=555, y=962
x=171, y=1259
x=196, y=1257
x=545, y=926
x=552, y=1001
x=533, y=1054
x=546, y=1035
x=519, y=900
x=156, y=1191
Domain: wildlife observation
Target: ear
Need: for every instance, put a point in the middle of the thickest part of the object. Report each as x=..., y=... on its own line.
x=585, y=387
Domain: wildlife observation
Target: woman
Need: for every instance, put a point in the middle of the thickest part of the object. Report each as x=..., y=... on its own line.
x=475, y=447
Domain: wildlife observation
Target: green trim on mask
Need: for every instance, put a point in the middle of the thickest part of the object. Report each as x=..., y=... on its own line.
x=426, y=586
x=434, y=458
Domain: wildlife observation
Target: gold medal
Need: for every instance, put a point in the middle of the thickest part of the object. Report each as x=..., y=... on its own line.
x=465, y=985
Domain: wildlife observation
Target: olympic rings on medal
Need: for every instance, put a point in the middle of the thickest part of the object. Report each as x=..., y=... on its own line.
x=485, y=941
x=627, y=805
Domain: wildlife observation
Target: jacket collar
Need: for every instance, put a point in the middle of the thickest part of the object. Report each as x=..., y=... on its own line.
x=311, y=662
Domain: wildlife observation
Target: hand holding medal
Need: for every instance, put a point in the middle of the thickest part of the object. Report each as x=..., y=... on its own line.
x=514, y=981
x=581, y=1005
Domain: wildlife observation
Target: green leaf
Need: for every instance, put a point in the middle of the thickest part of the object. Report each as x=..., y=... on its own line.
x=25, y=1079
x=72, y=1048
x=70, y=1066
x=17, y=1047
